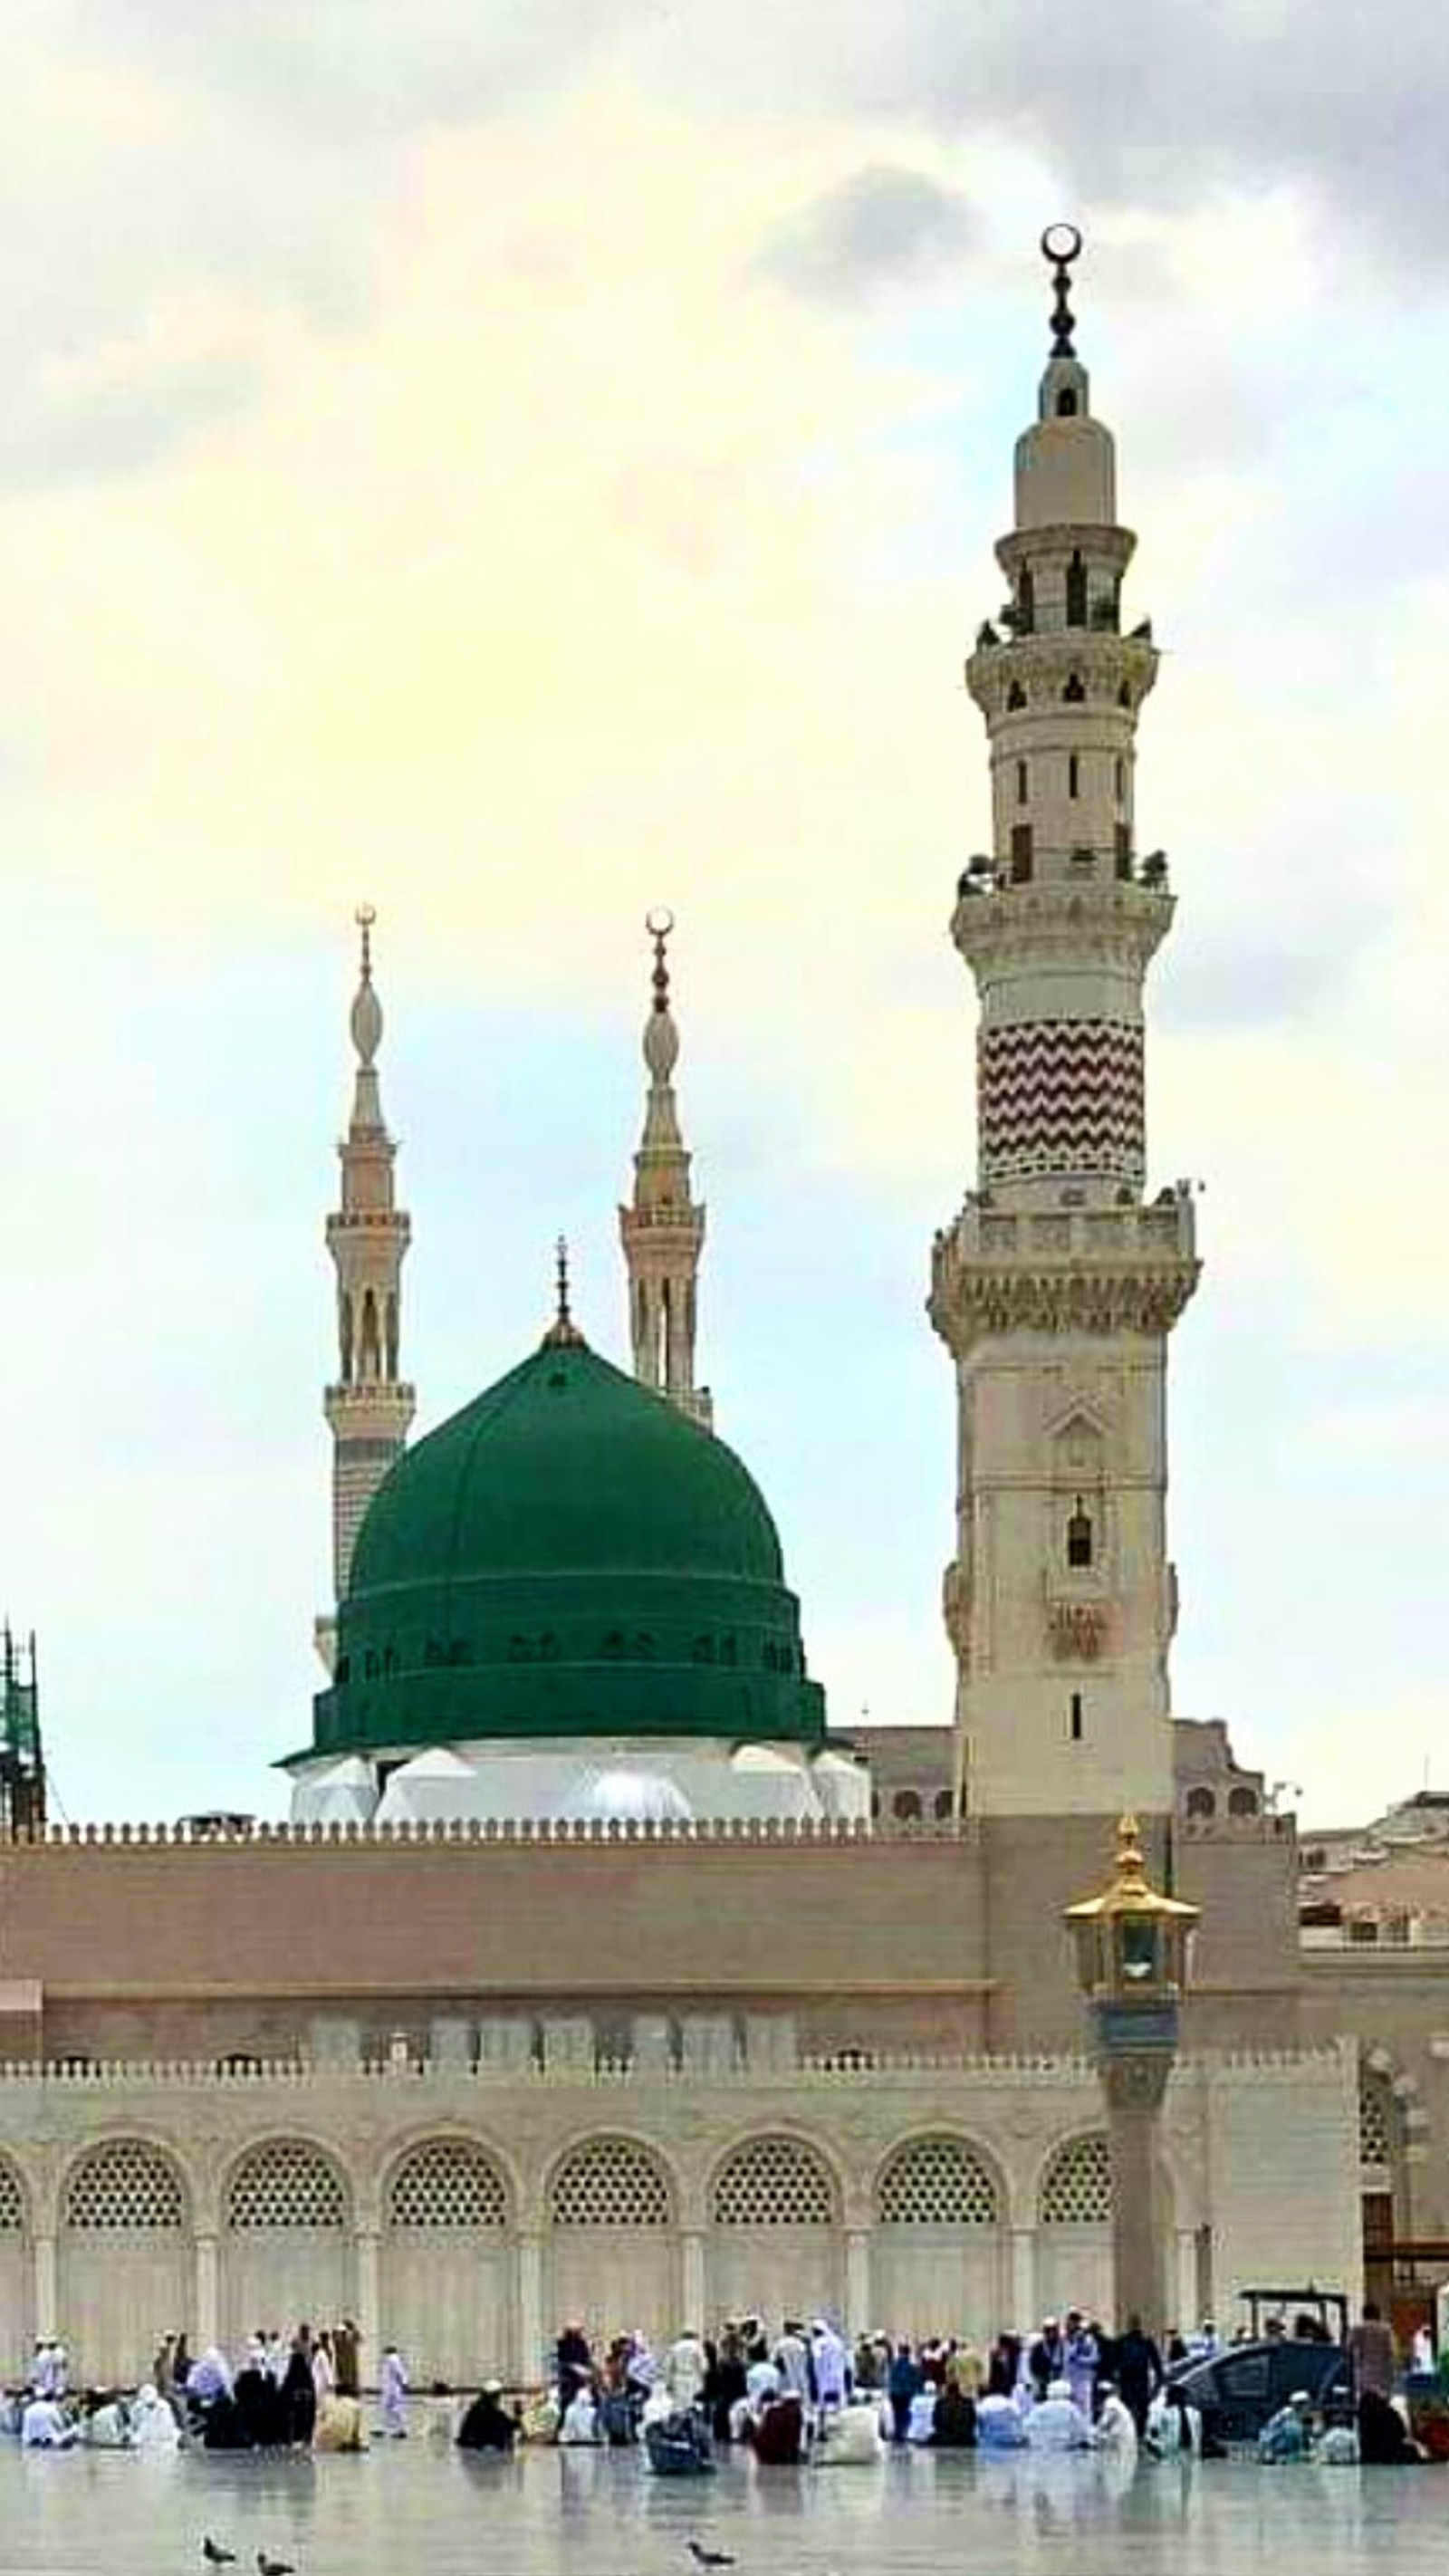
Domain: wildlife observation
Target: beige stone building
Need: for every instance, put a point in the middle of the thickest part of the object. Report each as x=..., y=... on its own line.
x=594, y=1974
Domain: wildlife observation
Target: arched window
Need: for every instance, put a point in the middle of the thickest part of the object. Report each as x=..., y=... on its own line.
x=1075, y=693
x=1242, y=1802
x=12, y=2201
x=1074, y=775
x=610, y=2182
x=1021, y=782
x=1079, y=1536
x=1076, y=2189
x=1021, y=854
x=1201, y=1802
x=1066, y=404
x=945, y=1806
x=1026, y=602
x=1015, y=698
x=125, y=2184
x=936, y=2182
x=773, y=2182
x=906, y=1806
x=447, y=2183
x=1076, y=591
x=286, y=2183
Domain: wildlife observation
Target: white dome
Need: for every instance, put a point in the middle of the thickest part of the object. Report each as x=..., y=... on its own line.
x=624, y=1797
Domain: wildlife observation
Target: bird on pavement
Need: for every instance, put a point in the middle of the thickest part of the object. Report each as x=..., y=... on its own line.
x=709, y=2557
x=274, y=2566
x=214, y=2554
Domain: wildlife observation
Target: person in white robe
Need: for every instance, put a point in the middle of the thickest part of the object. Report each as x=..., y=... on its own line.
x=45, y=2426
x=1056, y=2424
x=850, y=2436
x=103, y=2425
x=153, y=2426
x=685, y=2365
x=1116, y=2430
x=791, y=2358
x=581, y=2420
x=324, y=2377
x=832, y=2365
x=1174, y=2428
x=921, y=2421
x=999, y=2424
x=392, y=2392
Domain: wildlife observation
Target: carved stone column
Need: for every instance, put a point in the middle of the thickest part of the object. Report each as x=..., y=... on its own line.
x=206, y=2328
x=691, y=2247
x=529, y=2357
x=46, y=2320
x=1133, y=2083
x=369, y=2303
x=858, y=2307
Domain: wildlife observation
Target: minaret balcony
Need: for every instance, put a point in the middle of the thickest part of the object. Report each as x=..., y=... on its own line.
x=1092, y=1270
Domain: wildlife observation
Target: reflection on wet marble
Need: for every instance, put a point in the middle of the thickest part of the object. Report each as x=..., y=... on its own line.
x=412, y=2507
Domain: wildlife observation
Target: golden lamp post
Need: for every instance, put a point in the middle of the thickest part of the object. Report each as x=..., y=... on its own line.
x=1131, y=1964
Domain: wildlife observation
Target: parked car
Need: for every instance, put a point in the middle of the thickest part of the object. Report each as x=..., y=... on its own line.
x=1295, y=2339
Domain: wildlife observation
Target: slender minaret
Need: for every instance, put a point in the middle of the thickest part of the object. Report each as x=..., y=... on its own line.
x=1057, y=1286
x=663, y=1232
x=369, y=1407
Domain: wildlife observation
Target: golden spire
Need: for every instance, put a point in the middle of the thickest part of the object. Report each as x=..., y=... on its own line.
x=563, y=1333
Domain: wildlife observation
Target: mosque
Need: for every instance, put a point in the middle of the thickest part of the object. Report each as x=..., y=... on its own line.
x=705, y=2007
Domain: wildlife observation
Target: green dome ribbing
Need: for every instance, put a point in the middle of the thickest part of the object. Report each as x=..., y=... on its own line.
x=569, y=1555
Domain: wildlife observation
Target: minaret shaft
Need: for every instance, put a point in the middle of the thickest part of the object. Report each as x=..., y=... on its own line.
x=369, y=1405
x=662, y=1232
x=1056, y=1287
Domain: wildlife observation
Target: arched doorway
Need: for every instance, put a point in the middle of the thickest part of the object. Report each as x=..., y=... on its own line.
x=938, y=2241
x=445, y=2291
x=123, y=2260
x=286, y=2249
x=612, y=2248
x=775, y=2240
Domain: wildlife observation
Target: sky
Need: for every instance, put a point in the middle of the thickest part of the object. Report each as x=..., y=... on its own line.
x=522, y=465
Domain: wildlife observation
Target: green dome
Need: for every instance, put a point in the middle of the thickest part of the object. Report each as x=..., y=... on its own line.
x=569, y=1555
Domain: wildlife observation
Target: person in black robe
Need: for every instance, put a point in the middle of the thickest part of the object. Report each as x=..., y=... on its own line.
x=299, y=2398
x=725, y=2382
x=487, y=2424
x=223, y=2428
x=1139, y=2372
x=1382, y=2440
x=953, y=2426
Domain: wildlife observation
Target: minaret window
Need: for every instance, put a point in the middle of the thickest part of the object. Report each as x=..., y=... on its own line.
x=1076, y=1722
x=1119, y=778
x=1124, y=696
x=1026, y=603
x=1021, y=854
x=1074, y=775
x=1015, y=698
x=1074, y=694
x=1123, y=845
x=1079, y=1537
x=1066, y=404
x=1021, y=782
x=1076, y=592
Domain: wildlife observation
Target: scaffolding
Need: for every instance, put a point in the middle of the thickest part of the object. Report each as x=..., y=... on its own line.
x=22, y=1761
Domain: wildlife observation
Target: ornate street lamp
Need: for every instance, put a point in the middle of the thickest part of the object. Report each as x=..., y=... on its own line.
x=1131, y=1965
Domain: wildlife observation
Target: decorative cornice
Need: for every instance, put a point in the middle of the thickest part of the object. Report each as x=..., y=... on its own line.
x=966, y=1303
x=1097, y=918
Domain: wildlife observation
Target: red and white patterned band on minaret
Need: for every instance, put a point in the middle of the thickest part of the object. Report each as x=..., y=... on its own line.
x=1060, y=1096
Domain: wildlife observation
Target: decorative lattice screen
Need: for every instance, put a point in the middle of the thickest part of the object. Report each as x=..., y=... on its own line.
x=124, y=2184
x=1076, y=2189
x=774, y=2182
x=12, y=2201
x=610, y=2183
x=1375, y=2143
x=285, y=2184
x=447, y=2183
x=935, y=2182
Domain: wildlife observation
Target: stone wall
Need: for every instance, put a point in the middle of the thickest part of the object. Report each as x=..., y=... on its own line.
x=465, y=2211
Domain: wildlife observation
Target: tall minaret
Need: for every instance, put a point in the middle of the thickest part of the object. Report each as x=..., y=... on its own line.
x=663, y=1232
x=1058, y=1284
x=370, y=1406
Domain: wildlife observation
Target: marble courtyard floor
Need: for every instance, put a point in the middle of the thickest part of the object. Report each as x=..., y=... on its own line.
x=410, y=2507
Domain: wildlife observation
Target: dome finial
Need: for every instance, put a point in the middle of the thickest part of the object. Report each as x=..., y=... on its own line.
x=661, y=1038
x=366, y=1008
x=563, y=1333
x=1061, y=245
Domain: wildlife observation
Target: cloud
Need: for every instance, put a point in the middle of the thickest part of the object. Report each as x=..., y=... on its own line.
x=881, y=228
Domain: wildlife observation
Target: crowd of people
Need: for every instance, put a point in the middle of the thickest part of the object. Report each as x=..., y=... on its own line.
x=301, y=2391
x=805, y=2393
